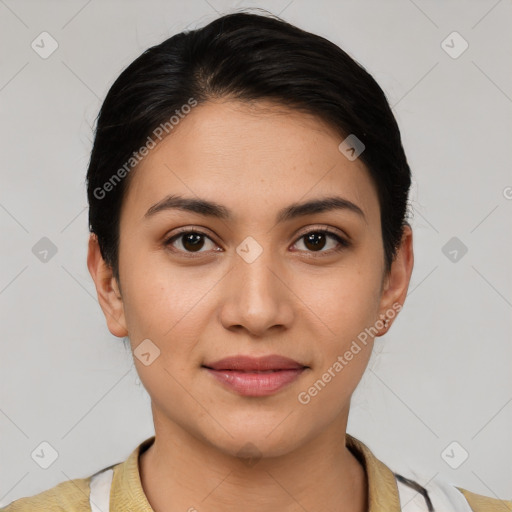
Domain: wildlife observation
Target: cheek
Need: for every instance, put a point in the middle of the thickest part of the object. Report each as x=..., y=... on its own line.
x=327, y=393
x=343, y=353
x=346, y=300
x=172, y=312
x=164, y=329
x=161, y=299
x=347, y=303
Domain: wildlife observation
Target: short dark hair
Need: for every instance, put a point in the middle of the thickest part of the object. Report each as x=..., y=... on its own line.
x=247, y=57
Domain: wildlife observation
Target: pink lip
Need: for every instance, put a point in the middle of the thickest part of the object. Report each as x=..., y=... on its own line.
x=251, y=376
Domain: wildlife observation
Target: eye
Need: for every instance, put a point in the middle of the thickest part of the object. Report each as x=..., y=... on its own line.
x=190, y=240
x=316, y=240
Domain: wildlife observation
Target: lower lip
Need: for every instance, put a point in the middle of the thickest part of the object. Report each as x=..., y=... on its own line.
x=256, y=384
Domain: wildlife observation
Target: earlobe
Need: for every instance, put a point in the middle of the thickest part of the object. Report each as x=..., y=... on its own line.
x=397, y=282
x=107, y=289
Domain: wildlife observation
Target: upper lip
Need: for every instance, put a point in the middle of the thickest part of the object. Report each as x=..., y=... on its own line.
x=248, y=363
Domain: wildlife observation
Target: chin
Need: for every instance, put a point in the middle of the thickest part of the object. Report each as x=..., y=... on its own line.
x=252, y=441
x=251, y=449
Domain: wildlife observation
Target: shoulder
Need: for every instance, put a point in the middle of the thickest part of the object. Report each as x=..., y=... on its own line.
x=68, y=495
x=416, y=491
x=440, y=494
x=75, y=494
x=481, y=503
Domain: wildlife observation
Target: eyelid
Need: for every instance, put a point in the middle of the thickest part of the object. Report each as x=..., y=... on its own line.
x=305, y=231
x=192, y=229
x=325, y=227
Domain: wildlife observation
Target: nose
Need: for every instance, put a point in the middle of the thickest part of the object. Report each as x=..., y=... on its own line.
x=257, y=296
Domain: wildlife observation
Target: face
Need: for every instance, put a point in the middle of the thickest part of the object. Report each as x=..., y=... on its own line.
x=251, y=280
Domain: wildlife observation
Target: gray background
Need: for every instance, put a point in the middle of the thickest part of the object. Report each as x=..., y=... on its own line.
x=442, y=374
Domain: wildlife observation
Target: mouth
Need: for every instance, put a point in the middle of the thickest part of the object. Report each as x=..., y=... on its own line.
x=250, y=376
x=244, y=371
x=243, y=363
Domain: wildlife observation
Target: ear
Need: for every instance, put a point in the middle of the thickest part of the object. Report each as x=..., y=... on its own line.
x=107, y=288
x=396, y=282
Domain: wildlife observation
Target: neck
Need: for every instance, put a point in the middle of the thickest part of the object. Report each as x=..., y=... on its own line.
x=182, y=473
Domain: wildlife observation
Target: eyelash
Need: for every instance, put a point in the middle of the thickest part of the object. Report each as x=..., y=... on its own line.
x=343, y=243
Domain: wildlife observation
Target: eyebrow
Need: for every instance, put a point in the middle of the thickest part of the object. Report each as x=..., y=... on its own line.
x=216, y=210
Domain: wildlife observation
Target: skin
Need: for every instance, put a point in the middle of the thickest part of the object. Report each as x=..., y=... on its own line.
x=294, y=300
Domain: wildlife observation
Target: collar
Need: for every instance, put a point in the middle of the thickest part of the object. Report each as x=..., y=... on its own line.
x=382, y=486
x=127, y=492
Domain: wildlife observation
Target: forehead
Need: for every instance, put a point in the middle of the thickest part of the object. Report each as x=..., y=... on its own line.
x=254, y=156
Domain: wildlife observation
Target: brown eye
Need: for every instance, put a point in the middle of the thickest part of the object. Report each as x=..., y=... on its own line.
x=191, y=241
x=317, y=240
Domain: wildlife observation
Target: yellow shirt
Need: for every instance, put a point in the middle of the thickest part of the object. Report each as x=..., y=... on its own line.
x=127, y=494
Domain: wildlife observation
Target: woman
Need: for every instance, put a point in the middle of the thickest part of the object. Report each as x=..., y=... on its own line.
x=248, y=214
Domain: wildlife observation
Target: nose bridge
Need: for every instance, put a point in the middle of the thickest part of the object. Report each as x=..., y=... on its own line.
x=255, y=271
x=257, y=297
